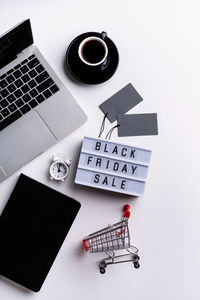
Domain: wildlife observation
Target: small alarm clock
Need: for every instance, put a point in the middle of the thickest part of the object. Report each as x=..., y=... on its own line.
x=59, y=168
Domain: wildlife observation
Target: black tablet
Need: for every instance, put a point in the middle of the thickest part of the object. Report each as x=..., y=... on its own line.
x=33, y=226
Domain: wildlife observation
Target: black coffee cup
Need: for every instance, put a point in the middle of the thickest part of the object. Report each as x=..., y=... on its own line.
x=93, y=50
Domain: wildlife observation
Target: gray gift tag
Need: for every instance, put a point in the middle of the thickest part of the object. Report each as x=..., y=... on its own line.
x=120, y=102
x=137, y=124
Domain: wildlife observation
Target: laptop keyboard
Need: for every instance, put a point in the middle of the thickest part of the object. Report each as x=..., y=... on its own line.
x=22, y=88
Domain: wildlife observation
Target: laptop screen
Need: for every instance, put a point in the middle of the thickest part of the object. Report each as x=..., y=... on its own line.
x=15, y=41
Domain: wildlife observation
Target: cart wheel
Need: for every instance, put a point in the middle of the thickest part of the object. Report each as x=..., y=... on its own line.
x=102, y=265
x=102, y=270
x=136, y=265
x=136, y=258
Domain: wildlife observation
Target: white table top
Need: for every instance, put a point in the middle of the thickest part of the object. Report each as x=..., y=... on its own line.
x=159, y=46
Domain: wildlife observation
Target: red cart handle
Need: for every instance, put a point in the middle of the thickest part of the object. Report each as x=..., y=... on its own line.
x=87, y=247
x=126, y=210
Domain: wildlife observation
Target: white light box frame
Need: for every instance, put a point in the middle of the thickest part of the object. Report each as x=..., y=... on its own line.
x=112, y=166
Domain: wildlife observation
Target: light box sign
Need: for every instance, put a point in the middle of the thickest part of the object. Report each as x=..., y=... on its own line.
x=112, y=166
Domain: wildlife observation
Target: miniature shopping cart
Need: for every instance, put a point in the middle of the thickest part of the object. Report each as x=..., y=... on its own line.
x=114, y=237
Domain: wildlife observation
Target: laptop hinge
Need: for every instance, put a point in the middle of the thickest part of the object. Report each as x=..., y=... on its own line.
x=20, y=53
x=25, y=50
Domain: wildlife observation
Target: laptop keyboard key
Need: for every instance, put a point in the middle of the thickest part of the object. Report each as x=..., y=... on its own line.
x=10, y=119
x=24, y=69
x=26, y=98
x=54, y=88
x=39, y=68
x=12, y=107
x=4, y=93
x=18, y=83
x=17, y=74
x=25, y=88
x=1, y=117
x=47, y=94
x=10, y=78
x=24, y=61
x=32, y=83
x=33, y=63
x=33, y=103
x=19, y=102
x=31, y=57
x=25, y=78
x=32, y=73
x=17, y=66
x=44, y=85
x=24, y=109
x=2, y=76
x=42, y=77
x=4, y=103
x=3, y=84
x=11, y=98
x=10, y=71
x=11, y=88
x=40, y=98
x=33, y=93
x=18, y=93
x=5, y=112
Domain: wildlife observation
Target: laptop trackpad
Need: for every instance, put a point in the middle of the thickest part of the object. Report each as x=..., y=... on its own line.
x=23, y=140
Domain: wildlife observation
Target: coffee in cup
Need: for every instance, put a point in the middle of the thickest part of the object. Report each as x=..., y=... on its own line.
x=93, y=51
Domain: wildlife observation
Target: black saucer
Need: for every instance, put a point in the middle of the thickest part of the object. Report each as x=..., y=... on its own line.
x=89, y=74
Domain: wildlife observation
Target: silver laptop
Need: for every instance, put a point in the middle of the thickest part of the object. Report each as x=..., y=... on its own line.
x=36, y=110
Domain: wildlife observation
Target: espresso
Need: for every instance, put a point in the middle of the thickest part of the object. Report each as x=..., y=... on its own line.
x=93, y=51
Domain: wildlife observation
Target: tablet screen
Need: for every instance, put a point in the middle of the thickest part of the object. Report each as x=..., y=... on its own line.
x=33, y=226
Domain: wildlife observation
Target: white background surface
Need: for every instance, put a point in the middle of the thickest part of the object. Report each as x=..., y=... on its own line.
x=159, y=46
